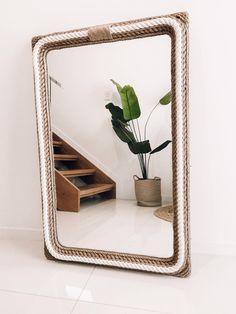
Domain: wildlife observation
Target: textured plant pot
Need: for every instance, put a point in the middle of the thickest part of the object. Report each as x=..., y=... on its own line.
x=148, y=191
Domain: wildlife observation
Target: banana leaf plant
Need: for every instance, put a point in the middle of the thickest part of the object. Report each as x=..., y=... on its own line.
x=126, y=125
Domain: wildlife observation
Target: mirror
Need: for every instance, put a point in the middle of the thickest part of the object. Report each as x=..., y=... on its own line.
x=104, y=213
x=113, y=144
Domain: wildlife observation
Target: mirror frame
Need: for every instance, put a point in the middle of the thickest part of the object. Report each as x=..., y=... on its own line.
x=176, y=26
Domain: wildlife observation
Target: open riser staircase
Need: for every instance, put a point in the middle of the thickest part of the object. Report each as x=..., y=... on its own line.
x=77, y=178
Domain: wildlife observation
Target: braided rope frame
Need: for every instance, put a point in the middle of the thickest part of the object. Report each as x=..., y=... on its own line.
x=176, y=26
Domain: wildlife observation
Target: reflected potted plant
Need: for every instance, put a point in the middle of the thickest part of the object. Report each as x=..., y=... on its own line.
x=125, y=123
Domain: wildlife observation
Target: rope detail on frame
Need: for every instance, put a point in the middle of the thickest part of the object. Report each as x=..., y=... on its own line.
x=176, y=26
x=99, y=33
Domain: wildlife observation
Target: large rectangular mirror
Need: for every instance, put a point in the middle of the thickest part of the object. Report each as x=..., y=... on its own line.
x=113, y=150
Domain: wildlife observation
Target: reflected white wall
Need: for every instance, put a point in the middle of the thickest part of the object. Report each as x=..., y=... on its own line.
x=78, y=108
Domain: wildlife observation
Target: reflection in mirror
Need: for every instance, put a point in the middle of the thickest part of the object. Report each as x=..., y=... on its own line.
x=112, y=145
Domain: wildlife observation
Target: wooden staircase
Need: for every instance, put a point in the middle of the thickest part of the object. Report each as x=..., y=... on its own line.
x=76, y=177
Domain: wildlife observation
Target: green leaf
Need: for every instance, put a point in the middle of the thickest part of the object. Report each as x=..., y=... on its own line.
x=160, y=147
x=129, y=101
x=166, y=99
x=121, y=131
x=140, y=147
x=119, y=88
x=116, y=112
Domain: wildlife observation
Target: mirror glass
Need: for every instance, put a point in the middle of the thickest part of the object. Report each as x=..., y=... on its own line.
x=112, y=194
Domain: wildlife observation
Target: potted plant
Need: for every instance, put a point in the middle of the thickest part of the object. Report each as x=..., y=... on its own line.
x=126, y=126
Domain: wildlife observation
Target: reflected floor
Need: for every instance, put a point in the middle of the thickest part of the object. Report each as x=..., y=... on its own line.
x=116, y=225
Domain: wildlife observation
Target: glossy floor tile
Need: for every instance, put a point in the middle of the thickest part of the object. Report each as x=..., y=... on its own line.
x=31, y=284
x=24, y=268
x=16, y=303
x=94, y=308
x=116, y=225
x=210, y=289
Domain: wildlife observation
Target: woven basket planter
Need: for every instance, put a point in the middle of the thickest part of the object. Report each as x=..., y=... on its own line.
x=148, y=191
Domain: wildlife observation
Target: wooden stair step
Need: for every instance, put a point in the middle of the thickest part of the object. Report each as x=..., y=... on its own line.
x=77, y=172
x=57, y=143
x=65, y=157
x=94, y=189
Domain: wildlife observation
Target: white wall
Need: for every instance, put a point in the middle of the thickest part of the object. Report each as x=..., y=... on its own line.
x=212, y=106
x=78, y=107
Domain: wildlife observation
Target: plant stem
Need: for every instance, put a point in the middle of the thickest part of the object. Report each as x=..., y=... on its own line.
x=140, y=137
x=143, y=156
x=149, y=116
x=145, y=162
x=148, y=163
x=141, y=165
x=145, y=136
x=134, y=130
x=140, y=156
x=144, y=168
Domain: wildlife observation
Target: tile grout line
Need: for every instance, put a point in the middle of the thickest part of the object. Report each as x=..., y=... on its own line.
x=114, y=305
x=82, y=290
x=81, y=301
x=36, y=295
x=126, y=307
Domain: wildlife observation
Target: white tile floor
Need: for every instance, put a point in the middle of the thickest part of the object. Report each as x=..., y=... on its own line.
x=116, y=225
x=30, y=284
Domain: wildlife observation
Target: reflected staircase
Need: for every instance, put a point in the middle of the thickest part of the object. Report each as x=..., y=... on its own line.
x=77, y=178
